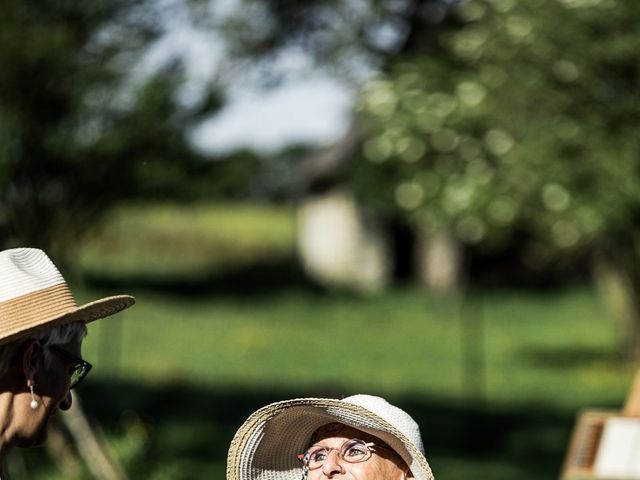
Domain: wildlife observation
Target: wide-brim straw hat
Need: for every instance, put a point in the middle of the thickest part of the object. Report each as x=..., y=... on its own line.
x=34, y=296
x=266, y=445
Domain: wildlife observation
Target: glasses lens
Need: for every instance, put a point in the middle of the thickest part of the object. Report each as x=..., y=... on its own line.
x=79, y=371
x=352, y=451
x=355, y=451
x=316, y=457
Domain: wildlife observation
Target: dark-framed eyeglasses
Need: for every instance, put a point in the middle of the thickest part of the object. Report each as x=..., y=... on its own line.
x=80, y=367
x=351, y=451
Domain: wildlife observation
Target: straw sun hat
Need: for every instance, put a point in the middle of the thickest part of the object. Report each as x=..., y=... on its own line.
x=266, y=445
x=35, y=296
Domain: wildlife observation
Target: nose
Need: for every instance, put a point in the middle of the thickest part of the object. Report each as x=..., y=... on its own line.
x=332, y=466
x=65, y=403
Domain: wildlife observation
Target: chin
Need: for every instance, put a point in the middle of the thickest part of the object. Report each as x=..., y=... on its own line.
x=35, y=439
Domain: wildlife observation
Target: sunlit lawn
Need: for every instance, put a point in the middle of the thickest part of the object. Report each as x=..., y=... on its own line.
x=555, y=348
x=495, y=378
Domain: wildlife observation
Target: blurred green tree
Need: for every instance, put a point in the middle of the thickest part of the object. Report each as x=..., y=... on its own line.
x=82, y=126
x=522, y=119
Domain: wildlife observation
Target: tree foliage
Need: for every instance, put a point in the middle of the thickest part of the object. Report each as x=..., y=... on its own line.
x=523, y=117
x=80, y=128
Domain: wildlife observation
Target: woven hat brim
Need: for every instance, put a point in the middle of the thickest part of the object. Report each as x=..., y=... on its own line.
x=88, y=312
x=266, y=445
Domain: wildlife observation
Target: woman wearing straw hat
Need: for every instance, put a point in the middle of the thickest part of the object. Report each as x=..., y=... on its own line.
x=41, y=331
x=361, y=437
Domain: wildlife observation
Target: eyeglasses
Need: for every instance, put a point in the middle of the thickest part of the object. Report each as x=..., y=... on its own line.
x=80, y=367
x=351, y=451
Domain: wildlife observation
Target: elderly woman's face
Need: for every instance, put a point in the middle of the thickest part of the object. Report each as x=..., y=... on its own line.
x=51, y=389
x=383, y=464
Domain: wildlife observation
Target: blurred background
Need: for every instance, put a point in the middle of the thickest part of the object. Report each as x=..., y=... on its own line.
x=435, y=201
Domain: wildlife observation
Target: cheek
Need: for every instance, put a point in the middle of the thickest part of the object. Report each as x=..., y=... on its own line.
x=381, y=469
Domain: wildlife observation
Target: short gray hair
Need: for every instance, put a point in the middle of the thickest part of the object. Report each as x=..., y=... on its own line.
x=57, y=335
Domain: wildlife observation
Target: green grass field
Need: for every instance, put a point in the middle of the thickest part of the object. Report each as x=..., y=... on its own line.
x=548, y=348
x=495, y=379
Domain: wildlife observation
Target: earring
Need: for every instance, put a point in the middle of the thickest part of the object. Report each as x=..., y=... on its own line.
x=34, y=403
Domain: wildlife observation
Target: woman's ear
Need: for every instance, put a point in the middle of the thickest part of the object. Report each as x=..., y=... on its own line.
x=31, y=354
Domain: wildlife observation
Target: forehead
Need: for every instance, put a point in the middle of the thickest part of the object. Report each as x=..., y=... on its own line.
x=340, y=431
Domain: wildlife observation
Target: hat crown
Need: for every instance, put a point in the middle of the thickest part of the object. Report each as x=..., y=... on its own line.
x=24, y=271
x=392, y=414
